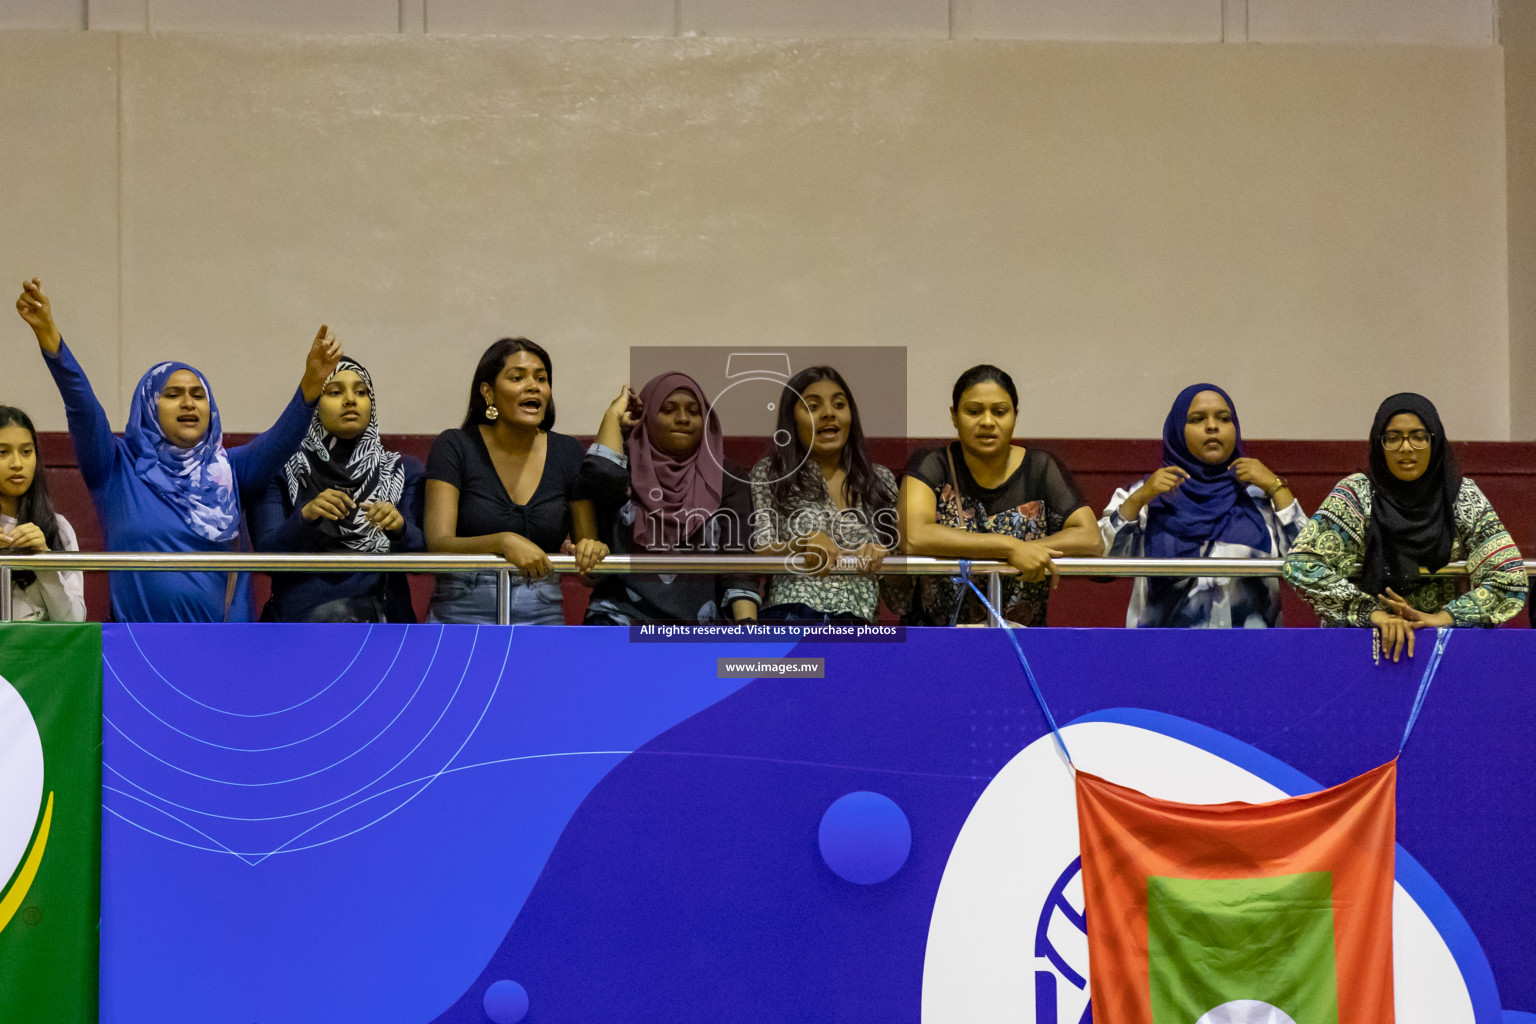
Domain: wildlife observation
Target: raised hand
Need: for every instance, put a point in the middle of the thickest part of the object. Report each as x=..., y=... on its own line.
x=632, y=410
x=1254, y=472
x=1168, y=478
x=33, y=307
x=324, y=352
x=621, y=416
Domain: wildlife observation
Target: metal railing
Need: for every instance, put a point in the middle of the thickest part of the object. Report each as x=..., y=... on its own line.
x=231, y=561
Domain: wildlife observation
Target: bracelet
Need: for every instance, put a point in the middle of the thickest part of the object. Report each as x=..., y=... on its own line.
x=1275, y=488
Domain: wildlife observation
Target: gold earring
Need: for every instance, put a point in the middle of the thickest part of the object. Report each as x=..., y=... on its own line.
x=491, y=412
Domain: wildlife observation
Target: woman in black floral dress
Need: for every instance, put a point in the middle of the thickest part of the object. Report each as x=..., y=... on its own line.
x=982, y=497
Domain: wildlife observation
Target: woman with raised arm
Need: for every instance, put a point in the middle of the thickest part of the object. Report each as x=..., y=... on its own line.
x=1209, y=500
x=821, y=496
x=504, y=483
x=29, y=523
x=343, y=492
x=169, y=484
x=982, y=497
x=661, y=492
x=1413, y=510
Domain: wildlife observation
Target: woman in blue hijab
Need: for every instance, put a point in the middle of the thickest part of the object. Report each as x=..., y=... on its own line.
x=169, y=484
x=1208, y=500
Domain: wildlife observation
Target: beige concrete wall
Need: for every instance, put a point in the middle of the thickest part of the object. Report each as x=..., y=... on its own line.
x=58, y=160
x=1312, y=227
x=1518, y=32
x=1434, y=22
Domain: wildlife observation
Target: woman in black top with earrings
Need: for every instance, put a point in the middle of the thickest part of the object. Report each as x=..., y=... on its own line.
x=505, y=483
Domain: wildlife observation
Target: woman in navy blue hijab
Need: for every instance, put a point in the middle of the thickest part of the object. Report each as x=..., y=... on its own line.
x=1209, y=499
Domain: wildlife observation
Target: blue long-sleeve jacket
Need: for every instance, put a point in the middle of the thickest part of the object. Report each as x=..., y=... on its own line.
x=135, y=518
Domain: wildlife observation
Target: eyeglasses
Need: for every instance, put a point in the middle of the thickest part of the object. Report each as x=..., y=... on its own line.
x=1393, y=440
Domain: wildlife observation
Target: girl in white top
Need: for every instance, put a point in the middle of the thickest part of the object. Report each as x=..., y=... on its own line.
x=29, y=523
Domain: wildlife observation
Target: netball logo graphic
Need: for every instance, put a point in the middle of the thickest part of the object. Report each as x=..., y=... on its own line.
x=21, y=799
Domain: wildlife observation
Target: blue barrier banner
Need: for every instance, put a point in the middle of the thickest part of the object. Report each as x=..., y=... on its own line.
x=444, y=825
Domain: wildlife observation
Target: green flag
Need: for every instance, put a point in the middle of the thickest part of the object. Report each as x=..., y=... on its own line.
x=1232, y=950
x=50, y=821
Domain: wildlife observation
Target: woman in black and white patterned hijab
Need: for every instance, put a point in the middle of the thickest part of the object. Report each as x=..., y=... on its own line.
x=342, y=491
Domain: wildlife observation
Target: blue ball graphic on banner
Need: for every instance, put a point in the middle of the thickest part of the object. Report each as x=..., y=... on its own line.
x=506, y=1002
x=864, y=837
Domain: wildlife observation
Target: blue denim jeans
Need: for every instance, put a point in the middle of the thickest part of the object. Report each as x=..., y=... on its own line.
x=470, y=598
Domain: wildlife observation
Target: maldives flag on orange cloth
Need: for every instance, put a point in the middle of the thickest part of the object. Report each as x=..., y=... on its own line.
x=1276, y=913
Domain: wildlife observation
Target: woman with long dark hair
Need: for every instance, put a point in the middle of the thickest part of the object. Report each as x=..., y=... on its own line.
x=1413, y=510
x=983, y=497
x=28, y=522
x=504, y=483
x=819, y=495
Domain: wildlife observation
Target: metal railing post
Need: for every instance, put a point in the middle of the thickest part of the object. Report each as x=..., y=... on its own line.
x=503, y=597
x=5, y=593
x=995, y=595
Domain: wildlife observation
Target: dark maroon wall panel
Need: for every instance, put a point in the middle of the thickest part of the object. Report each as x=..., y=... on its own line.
x=1506, y=471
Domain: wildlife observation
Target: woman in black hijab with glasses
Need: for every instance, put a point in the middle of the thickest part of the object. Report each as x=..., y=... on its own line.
x=1413, y=510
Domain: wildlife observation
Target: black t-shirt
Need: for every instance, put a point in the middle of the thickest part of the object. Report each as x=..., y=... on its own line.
x=1039, y=478
x=1036, y=500
x=459, y=458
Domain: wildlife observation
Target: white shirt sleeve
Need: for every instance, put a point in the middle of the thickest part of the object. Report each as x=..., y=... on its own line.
x=63, y=593
x=1113, y=527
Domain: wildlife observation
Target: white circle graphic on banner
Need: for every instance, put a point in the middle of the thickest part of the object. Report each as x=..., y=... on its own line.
x=1245, y=1011
x=21, y=778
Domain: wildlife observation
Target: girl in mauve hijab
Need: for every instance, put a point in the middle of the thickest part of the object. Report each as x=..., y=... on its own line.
x=1413, y=510
x=663, y=492
x=1209, y=500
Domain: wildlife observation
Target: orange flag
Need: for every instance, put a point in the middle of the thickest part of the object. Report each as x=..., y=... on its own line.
x=1240, y=913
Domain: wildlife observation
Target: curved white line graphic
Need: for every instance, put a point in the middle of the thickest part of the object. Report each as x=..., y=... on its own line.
x=123, y=685
x=239, y=714
x=299, y=778
x=423, y=782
